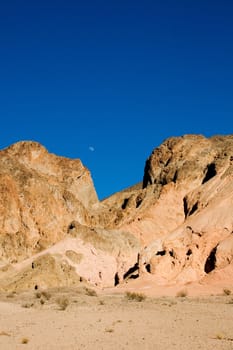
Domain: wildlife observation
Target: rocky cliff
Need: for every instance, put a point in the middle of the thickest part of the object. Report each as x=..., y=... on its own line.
x=175, y=228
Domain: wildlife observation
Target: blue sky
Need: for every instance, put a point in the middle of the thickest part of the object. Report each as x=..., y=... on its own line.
x=108, y=81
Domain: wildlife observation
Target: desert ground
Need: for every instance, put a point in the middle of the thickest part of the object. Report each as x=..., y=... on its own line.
x=80, y=318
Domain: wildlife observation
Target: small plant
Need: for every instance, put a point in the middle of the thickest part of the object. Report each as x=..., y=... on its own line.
x=5, y=333
x=11, y=295
x=62, y=303
x=24, y=340
x=109, y=330
x=27, y=305
x=226, y=291
x=90, y=292
x=182, y=294
x=46, y=294
x=135, y=296
x=38, y=295
x=219, y=336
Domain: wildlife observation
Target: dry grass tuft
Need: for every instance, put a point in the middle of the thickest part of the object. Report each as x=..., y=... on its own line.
x=5, y=333
x=109, y=330
x=27, y=305
x=24, y=340
x=90, y=292
x=182, y=294
x=62, y=302
x=226, y=291
x=135, y=296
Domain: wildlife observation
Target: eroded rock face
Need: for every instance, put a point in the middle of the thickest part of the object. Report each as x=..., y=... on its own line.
x=40, y=194
x=202, y=173
x=176, y=227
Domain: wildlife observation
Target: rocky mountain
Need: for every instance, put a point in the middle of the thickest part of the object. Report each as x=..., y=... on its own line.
x=175, y=228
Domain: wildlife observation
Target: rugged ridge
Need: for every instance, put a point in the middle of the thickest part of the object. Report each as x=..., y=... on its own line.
x=175, y=228
x=40, y=195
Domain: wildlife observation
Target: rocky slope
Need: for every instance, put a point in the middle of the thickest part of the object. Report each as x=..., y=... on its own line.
x=176, y=227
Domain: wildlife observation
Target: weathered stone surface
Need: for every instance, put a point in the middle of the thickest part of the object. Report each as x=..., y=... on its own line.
x=40, y=194
x=174, y=228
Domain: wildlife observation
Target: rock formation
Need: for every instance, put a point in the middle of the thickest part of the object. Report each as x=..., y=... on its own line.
x=176, y=227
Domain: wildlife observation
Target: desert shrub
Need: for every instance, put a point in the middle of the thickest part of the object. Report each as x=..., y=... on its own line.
x=182, y=293
x=135, y=296
x=24, y=340
x=46, y=294
x=90, y=292
x=109, y=330
x=226, y=291
x=62, y=302
x=38, y=295
x=27, y=305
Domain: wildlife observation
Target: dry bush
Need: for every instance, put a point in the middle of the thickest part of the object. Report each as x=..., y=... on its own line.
x=62, y=302
x=109, y=330
x=38, y=295
x=24, y=340
x=226, y=291
x=5, y=333
x=11, y=295
x=182, y=293
x=27, y=305
x=46, y=294
x=135, y=296
x=90, y=292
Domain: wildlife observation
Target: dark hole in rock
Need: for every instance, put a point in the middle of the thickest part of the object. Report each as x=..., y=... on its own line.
x=36, y=287
x=134, y=276
x=211, y=172
x=161, y=252
x=33, y=265
x=71, y=226
x=124, y=204
x=189, y=252
x=194, y=208
x=116, y=279
x=138, y=202
x=171, y=253
x=131, y=270
x=175, y=177
x=146, y=178
x=148, y=269
x=185, y=207
x=211, y=261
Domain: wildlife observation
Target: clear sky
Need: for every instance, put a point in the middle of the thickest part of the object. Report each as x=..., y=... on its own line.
x=107, y=81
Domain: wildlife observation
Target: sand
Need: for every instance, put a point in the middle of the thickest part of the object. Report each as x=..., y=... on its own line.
x=78, y=319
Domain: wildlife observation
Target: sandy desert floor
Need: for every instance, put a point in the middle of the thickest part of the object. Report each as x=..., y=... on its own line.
x=79, y=319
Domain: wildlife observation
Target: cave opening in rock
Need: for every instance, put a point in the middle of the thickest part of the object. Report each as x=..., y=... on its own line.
x=116, y=279
x=161, y=252
x=194, y=208
x=211, y=261
x=148, y=269
x=130, y=272
x=124, y=204
x=189, y=252
x=138, y=202
x=185, y=203
x=211, y=172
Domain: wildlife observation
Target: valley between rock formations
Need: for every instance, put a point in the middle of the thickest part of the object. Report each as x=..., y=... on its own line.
x=169, y=239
